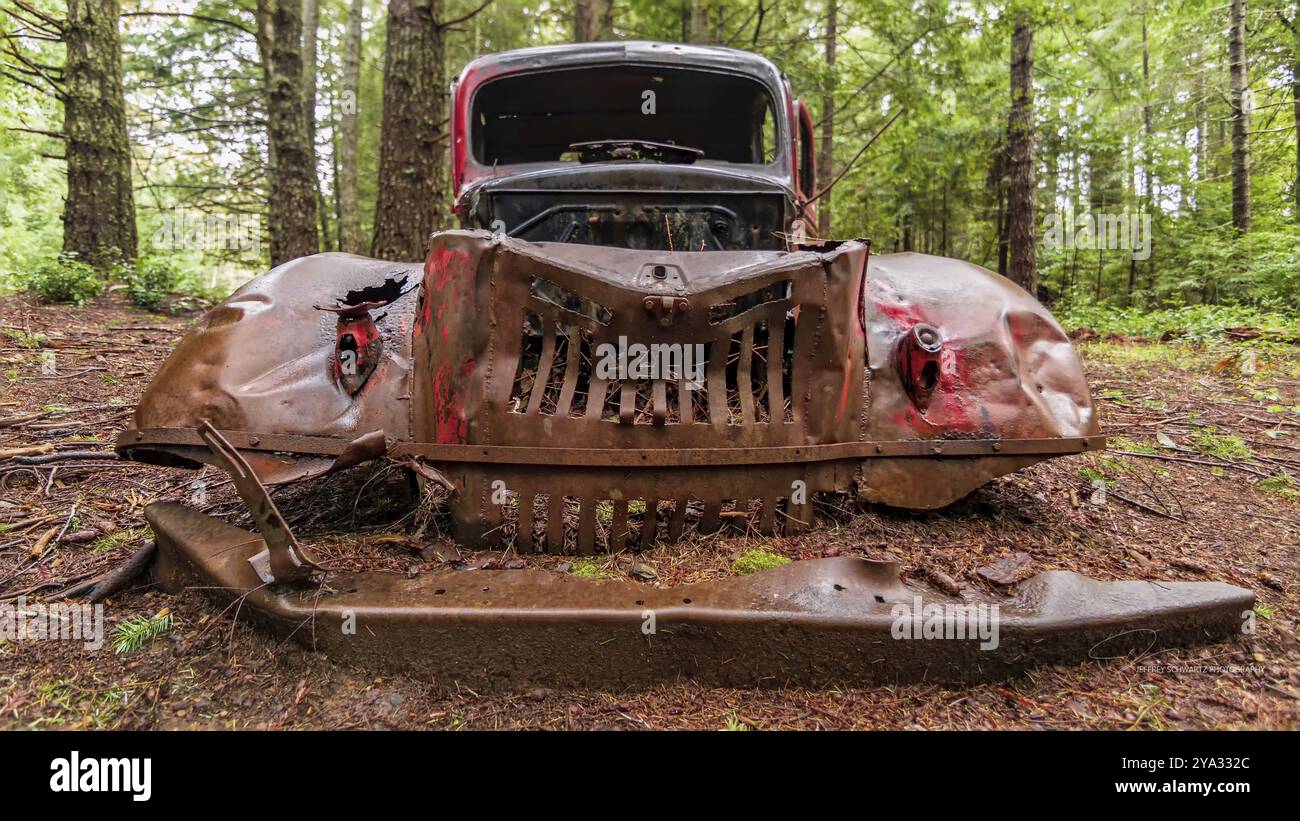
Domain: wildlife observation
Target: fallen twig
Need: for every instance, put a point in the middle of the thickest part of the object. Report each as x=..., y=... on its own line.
x=1164, y=458
x=1143, y=506
x=26, y=452
x=67, y=455
x=125, y=573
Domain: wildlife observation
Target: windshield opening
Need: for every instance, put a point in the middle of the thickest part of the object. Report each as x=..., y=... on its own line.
x=539, y=117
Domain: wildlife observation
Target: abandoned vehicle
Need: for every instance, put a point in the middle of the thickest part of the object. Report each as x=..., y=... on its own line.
x=632, y=336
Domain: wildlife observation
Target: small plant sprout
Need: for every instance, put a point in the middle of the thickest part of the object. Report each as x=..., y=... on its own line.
x=137, y=631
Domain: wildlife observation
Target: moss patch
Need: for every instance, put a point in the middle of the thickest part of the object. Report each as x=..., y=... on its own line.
x=591, y=569
x=753, y=561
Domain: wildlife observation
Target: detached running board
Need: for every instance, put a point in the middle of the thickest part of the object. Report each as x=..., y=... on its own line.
x=814, y=623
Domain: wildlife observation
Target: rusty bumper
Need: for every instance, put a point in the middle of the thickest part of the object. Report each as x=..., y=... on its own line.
x=813, y=622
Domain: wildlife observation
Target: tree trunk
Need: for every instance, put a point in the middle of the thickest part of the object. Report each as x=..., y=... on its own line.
x=1295, y=102
x=413, y=134
x=1237, y=82
x=349, y=136
x=826, y=162
x=310, y=25
x=292, y=178
x=943, y=221
x=99, y=213
x=1022, y=267
x=996, y=186
x=593, y=20
x=1202, y=140
x=1147, y=194
x=699, y=22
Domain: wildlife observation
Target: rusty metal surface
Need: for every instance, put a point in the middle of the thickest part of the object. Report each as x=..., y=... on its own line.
x=284, y=558
x=815, y=622
x=908, y=379
x=776, y=337
x=373, y=446
x=264, y=360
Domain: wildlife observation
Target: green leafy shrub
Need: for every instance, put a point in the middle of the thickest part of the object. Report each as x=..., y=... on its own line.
x=1194, y=323
x=149, y=283
x=66, y=279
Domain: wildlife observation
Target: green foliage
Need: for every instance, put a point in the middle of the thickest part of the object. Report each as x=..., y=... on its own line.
x=114, y=540
x=1130, y=105
x=1228, y=447
x=1283, y=486
x=137, y=631
x=1132, y=446
x=26, y=340
x=65, y=279
x=752, y=561
x=149, y=283
x=1194, y=323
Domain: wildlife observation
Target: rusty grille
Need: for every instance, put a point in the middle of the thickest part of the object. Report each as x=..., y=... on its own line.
x=779, y=345
x=747, y=376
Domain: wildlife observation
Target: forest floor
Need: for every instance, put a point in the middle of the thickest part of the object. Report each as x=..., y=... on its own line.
x=1201, y=435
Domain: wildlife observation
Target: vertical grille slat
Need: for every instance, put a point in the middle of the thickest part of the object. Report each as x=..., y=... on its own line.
x=649, y=523
x=767, y=520
x=526, y=502
x=555, y=523
x=744, y=384
x=596, y=398
x=659, y=393
x=716, y=381
x=572, y=365
x=618, y=526
x=677, y=523
x=543, y=366
x=776, y=364
x=587, y=525
x=711, y=517
x=627, y=403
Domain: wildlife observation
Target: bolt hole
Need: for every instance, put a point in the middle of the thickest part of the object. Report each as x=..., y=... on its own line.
x=839, y=587
x=440, y=591
x=485, y=590
x=639, y=602
x=880, y=599
x=929, y=376
x=686, y=601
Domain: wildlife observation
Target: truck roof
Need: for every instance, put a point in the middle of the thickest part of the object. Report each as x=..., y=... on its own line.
x=718, y=58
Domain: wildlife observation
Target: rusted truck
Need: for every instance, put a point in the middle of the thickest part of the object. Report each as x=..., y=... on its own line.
x=633, y=337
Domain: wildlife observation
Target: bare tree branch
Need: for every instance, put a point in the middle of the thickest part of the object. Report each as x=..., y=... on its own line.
x=235, y=24
x=464, y=17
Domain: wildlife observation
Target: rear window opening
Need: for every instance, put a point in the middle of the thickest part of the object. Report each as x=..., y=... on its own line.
x=538, y=117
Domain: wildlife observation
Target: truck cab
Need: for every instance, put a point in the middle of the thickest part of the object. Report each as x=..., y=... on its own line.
x=640, y=145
